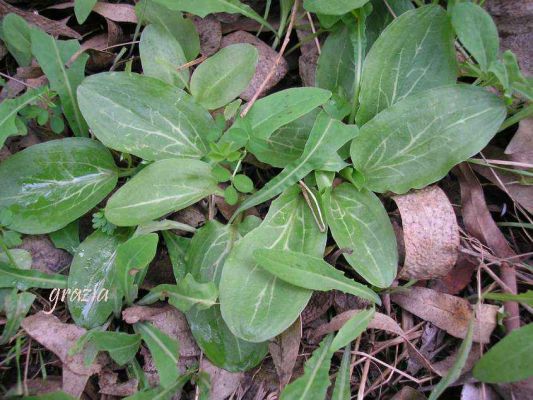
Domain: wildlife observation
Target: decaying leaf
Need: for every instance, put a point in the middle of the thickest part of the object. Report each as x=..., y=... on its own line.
x=520, y=148
x=116, y=12
x=107, y=381
x=284, y=351
x=223, y=383
x=431, y=233
x=45, y=257
x=408, y=393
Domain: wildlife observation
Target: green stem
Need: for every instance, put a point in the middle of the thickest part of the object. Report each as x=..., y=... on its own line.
x=517, y=117
x=6, y=250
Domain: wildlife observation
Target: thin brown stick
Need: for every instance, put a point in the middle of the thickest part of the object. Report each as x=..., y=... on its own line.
x=192, y=63
x=16, y=80
x=317, y=42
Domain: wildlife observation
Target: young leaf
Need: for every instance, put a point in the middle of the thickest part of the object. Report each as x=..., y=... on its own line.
x=164, y=350
x=509, y=360
x=419, y=139
x=359, y=223
x=225, y=75
x=52, y=56
x=67, y=238
x=82, y=9
x=122, y=347
x=16, y=35
x=24, y=279
x=16, y=308
x=51, y=184
x=309, y=272
x=91, y=275
x=337, y=7
x=144, y=116
x=328, y=136
x=162, y=187
x=314, y=383
x=414, y=53
x=161, y=55
x=342, y=389
x=352, y=329
x=255, y=304
x=243, y=184
x=477, y=32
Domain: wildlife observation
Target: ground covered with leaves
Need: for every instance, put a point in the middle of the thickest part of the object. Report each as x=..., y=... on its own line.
x=293, y=199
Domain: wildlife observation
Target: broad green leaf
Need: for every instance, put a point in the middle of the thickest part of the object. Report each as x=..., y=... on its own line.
x=162, y=187
x=381, y=17
x=67, y=238
x=455, y=371
x=303, y=270
x=22, y=258
x=314, y=383
x=9, y=109
x=414, y=53
x=92, y=273
x=17, y=38
x=352, y=329
x=222, y=77
x=206, y=255
x=477, y=32
x=205, y=7
x=328, y=136
x=16, y=307
x=526, y=298
x=359, y=223
x=419, y=139
x=342, y=389
x=24, y=279
x=52, y=56
x=164, y=350
x=161, y=392
x=337, y=7
x=177, y=248
x=51, y=184
x=144, y=116
x=161, y=55
x=82, y=9
x=255, y=304
x=509, y=360
x=133, y=256
x=122, y=347
x=172, y=21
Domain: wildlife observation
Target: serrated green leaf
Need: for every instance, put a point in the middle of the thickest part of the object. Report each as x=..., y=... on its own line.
x=82, y=9
x=16, y=307
x=337, y=7
x=303, y=270
x=351, y=330
x=144, y=116
x=359, y=223
x=162, y=187
x=223, y=76
x=122, y=347
x=51, y=184
x=419, y=139
x=414, y=53
x=17, y=38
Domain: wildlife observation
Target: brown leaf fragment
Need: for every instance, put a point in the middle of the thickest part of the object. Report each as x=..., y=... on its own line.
x=520, y=148
x=107, y=381
x=210, y=31
x=54, y=28
x=267, y=61
x=45, y=257
x=223, y=383
x=431, y=233
x=116, y=12
x=284, y=351
x=450, y=313
x=408, y=393
x=522, y=390
x=318, y=305
x=40, y=386
x=442, y=367
x=308, y=60
x=459, y=276
x=4, y=153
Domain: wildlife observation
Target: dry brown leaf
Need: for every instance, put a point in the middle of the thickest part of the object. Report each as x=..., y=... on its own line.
x=54, y=28
x=267, y=59
x=134, y=314
x=223, y=383
x=284, y=351
x=442, y=367
x=59, y=337
x=408, y=393
x=45, y=257
x=522, y=390
x=308, y=60
x=107, y=381
x=451, y=313
x=520, y=148
x=317, y=306
x=210, y=31
x=431, y=233
x=116, y=12
x=458, y=278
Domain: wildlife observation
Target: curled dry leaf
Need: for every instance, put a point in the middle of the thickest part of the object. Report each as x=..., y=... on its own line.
x=59, y=337
x=450, y=313
x=267, y=58
x=223, y=383
x=116, y=12
x=431, y=233
x=45, y=257
x=210, y=31
x=459, y=276
x=284, y=351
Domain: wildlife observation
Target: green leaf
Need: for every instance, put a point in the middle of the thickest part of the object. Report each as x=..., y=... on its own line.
x=161, y=392
x=231, y=196
x=161, y=55
x=351, y=330
x=455, y=371
x=82, y=9
x=342, y=389
x=58, y=395
x=177, y=247
x=477, y=32
x=255, y=304
x=381, y=17
x=243, y=184
x=205, y=7
x=359, y=223
x=144, y=116
x=328, y=136
x=133, y=256
x=172, y=21
x=314, y=383
x=92, y=275
x=10, y=108
x=24, y=279
x=16, y=307
x=303, y=270
x=163, y=187
x=122, y=347
x=222, y=77
x=526, y=298
x=21, y=257
x=17, y=38
x=67, y=238
x=337, y=7
x=419, y=139
x=51, y=184
x=164, y=350
x=414, y=53
x=52, y=56
x=509, y=360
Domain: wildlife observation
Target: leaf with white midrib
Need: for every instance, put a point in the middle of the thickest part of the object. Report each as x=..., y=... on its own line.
x=23, y=279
